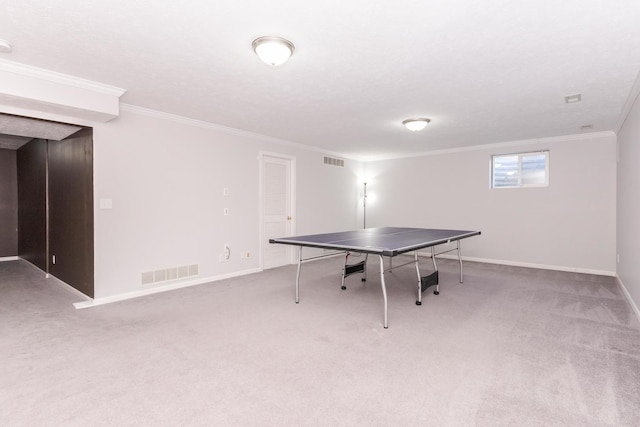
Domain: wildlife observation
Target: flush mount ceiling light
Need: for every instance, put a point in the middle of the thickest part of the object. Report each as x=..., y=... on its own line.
x=416, y=124
x=273, y=50
x=5, y=46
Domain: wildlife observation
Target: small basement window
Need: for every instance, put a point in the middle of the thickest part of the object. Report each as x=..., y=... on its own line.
x=520, y=170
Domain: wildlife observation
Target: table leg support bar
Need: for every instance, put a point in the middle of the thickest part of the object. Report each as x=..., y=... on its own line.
x=349, y=269
x=435, y=268
x=425, y=282
x=430, y=280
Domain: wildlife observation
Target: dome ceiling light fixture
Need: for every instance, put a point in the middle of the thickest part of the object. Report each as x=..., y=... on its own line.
x=273, y=50
x=416, y=124
x=5, y=46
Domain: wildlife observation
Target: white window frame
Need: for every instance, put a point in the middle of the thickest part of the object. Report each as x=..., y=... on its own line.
x=520, y=156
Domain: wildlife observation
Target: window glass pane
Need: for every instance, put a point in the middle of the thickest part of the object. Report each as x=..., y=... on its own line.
x=505, y=171
x=534, y=169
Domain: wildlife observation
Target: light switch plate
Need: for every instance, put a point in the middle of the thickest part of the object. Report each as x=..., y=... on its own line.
x=106, y=204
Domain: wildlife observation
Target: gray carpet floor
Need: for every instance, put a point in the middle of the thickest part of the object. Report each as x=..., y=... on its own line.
x=510, y=346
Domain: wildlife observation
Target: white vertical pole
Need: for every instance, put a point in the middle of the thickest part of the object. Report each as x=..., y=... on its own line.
x=364, y=206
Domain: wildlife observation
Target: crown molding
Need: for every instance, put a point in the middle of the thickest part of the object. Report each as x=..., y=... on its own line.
x=233, y=131
x=55, y=77
x=225, y=129
x=44, y=94
x=628, y=105
x=501, y=145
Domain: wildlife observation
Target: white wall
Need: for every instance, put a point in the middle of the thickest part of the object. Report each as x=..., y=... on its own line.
x=568, y=226
x=628, y=209
x=166, y=177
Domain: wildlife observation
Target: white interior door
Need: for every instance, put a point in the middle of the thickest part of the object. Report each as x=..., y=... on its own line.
x=277, y=209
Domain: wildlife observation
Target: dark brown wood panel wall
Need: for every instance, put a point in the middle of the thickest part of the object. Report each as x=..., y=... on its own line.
x=32, y=202
x=8, y=204
x=71, y=210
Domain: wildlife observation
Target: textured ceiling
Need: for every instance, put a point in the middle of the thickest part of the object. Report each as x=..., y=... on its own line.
x=484, y=71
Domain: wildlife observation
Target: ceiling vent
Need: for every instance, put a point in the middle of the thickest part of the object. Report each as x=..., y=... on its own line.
x=333, y=162
x=572, y=99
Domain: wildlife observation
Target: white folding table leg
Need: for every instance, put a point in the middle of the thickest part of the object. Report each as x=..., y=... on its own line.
x=435, y=267
x=344, y=270
x=419, y=300
x=384, y=290
x=298, y=275
x=460, y=260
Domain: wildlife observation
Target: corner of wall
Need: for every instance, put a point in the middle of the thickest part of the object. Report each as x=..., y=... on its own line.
x=627, y=295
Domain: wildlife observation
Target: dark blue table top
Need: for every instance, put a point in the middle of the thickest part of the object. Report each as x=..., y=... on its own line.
x=387, y=241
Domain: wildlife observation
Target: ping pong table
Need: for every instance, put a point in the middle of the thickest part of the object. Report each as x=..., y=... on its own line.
x=384, y=242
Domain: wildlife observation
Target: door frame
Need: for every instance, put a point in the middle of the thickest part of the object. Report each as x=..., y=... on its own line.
x=292, y=162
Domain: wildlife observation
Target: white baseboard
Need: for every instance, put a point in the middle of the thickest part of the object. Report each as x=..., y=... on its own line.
x=628, y=297
x=510, y=263
x=164, y=288
x=531, y=265
x=9, y=258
